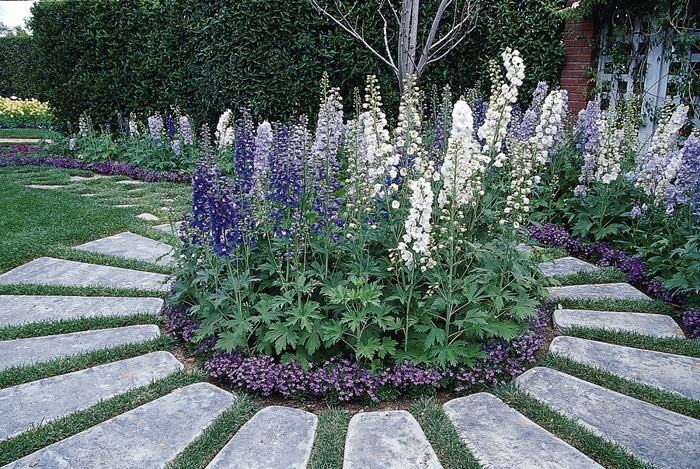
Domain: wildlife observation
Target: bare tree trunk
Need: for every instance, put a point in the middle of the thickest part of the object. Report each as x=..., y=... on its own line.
x=407, y=18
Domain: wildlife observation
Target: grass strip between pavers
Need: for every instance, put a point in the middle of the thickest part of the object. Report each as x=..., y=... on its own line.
x=674, y=345
x=608, y=455
x=443, y=436
x=67, y=326
x=60, y=290
x=60, y=429
x=631, y=306
x=606, y=379
x=329, y=446
x=602, y=275
x=17, y=375
x=201, y=451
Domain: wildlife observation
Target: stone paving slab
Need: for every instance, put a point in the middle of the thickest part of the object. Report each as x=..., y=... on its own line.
x=146, y=437
x=275, y=437
x=659, y=436
x=39, y=349
x=130, y=181
x=565, y=266
x=49, y=271
x=387, y=440
x=655, y=325
x=44, y=186
x=675, y=373
x=168, y=228
x=32, y=404
x=131, y=246
x=147, y=217
x=613, y=291
x=24, y=309
x=502, y=438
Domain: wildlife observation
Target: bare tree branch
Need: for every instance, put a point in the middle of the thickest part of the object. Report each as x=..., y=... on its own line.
x=345, y=25
x=408, y=22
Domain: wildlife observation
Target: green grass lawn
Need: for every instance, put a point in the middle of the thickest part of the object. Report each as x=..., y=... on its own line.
x=29, y=133
x=40, y=222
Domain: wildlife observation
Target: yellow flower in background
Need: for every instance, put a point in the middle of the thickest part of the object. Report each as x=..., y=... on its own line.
x=24, y=111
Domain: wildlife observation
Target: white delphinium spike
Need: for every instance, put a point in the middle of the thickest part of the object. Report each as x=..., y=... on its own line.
x=225, y=134
x=463, y=166
x=609, y=155
x=417, y=238
x=498, y=112
x=379, y=152
x=658, y=169
x=550, y=124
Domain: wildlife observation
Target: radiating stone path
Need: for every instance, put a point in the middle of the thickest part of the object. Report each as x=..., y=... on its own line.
x=156, y=432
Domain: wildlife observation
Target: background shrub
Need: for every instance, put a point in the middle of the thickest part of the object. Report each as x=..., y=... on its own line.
x=104, y=57
x=17, y=56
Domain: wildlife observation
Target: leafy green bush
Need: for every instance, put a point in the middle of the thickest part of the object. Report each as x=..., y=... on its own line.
x=17, y=61
x=102, y=57
x=354, y=241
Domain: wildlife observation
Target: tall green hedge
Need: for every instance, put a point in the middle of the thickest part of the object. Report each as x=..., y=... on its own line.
x=17, y=54
x=203, y=56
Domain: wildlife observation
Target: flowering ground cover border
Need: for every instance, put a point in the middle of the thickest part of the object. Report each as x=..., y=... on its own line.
x=605, y=256
x=24, y=155
x=340, y=379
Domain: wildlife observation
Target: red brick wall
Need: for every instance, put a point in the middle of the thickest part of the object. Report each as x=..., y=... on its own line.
x=578, y=45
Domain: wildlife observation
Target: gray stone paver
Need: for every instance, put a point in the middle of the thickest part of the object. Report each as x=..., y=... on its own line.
x=37, y=402
x=656, y=325
x=24, y=309
x=614, y=291
x=387, y=440
x=675, y=373
x=659, y=436
x=22, y=352
x=275, y=437
x=501, y=438
x=129, y=182
x=131, y=246
x=169, y=228
x=44, y=186
x=146, y=437
x=49, y=271
x=565, y=266
x=147, y=217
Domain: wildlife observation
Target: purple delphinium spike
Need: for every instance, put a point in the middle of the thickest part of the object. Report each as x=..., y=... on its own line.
x=170, y=126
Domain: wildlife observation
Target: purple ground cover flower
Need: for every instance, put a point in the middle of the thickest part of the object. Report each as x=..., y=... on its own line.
x=601, y=253
x=691, y=319
x=339, y=379
x=22, y=155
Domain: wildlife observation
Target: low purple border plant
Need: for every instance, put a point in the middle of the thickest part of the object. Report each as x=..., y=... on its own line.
x=340, y=379
x=603, y=255
x=23, y=155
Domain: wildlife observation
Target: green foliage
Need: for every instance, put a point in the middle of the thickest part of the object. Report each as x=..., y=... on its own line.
x=108, y=56
x=17, y=59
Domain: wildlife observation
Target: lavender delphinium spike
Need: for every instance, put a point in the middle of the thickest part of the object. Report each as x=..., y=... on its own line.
x=322, y=164
x=186, y=130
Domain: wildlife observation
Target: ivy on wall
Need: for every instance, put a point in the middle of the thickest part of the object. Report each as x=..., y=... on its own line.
x=634, y=28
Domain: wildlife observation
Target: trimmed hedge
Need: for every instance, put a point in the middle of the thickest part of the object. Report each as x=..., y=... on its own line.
x=204, y=56
x=17, y=54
